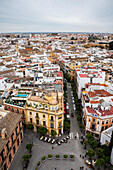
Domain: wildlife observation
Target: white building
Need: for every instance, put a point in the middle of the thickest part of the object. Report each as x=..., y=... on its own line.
x=106, y=138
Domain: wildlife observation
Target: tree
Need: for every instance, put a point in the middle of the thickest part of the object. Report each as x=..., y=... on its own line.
x=53, y=133
x=91, y=153
x=29, y=147
x=100, y=162
x=86, y=143
x=100, y=152
x=30, y=127
x=26, y=157
x=79, y=118
x=42, y=130
x=66, y=125
x=107, y=159
x=94, y=144
x=89, y=137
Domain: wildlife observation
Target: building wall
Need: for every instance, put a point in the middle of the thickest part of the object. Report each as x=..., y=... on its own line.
x=7, y=151
x=16, y=109
x=98, y=127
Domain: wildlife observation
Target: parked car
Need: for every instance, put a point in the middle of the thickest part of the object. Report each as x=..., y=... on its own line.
x=58, y=143
x=45, y=139
x=42, y=137
x=49, y=140
x=72, y=114
x=53, y=141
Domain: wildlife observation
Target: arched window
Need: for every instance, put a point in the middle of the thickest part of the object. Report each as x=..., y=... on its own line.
x=51, y=117
x=37, y=115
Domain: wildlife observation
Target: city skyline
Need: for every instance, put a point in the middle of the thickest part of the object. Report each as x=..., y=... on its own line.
x=56, y=16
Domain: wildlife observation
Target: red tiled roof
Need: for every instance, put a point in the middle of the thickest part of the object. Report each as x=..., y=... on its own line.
x=94, y=101
x=83, y=75
x=102, y=93
x=92, y=94
x=106, y=112
x=59, y=74
x=103, y=112
x=90, y=110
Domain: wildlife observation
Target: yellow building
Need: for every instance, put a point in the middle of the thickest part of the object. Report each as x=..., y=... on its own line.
x=46, y=109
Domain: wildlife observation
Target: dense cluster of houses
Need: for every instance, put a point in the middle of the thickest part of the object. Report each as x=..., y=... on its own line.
x=31, y=85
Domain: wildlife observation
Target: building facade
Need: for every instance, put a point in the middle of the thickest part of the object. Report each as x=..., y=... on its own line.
x=11, y=135
x=46, y=110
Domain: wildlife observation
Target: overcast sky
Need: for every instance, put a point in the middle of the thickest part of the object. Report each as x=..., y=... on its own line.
x=56, y=16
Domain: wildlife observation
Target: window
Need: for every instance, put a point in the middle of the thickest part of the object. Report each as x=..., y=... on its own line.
x=43, y=116
x=17, y=111
x=46, y=107
x=21, y=135
x=44, y=123
x=97, y=121
x=93, y=120
x=51, y=125
x=102, y=122
x=16, y=130
x=60, y=125
x=37, y=122
x=30, y=113
x=18, y=141
x=51, y=117
x=106, y=127
x=9, y=107
x=14, y=149
x=89, y=119
x=7, y=145
x=30, y=120
x=102, y=128
x=19, y=123
x=56, y=108
x=9, y=157
x=60, y=117
x=2, y=154
x=52, y=108
x=40, y=105
x=37, y=115
x=12, y=110
x=112, y=120
x=106, y=121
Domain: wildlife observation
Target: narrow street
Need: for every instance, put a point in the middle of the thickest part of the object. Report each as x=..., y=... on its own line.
x=73, y=120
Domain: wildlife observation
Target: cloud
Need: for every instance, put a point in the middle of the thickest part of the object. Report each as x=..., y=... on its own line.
x=56, y=15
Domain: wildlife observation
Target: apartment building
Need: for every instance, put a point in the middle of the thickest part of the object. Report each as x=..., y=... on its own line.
x=46, y=109
x=97, y=109
x=11, y=135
